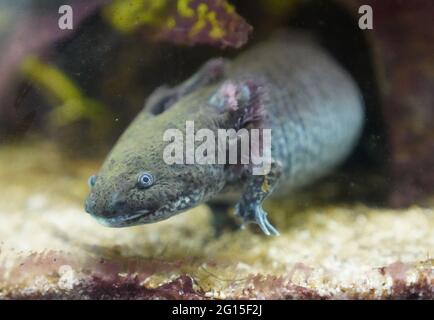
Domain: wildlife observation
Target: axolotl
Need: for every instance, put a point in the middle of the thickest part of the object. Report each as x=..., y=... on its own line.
x=289, y=84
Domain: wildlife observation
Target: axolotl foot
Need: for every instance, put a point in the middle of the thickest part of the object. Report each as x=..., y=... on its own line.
x=254, y=213
x=256, y=190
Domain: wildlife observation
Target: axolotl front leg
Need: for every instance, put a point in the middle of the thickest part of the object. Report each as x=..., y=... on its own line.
x=257, y=189
x=245, y=99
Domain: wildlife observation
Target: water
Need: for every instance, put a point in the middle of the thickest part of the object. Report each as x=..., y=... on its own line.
x=67, y=95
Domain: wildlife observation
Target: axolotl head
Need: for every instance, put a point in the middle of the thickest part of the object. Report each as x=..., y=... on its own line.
x=135, y=186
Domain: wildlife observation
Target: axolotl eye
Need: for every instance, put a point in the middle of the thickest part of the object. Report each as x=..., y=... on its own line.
x=145, y=180
x=91, y=181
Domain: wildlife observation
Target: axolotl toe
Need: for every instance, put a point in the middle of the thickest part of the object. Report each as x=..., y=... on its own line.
x=288, y=86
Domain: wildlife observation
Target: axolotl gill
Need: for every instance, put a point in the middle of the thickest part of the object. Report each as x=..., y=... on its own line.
x=289, y=84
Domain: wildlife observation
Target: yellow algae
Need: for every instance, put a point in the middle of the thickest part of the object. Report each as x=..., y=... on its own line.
x=72, y=104
x=50, y=77
x=201, y=20
x=216, y=31
x=184, y=10
x=128, y=15
x=228, y=7
x=204, y=16
x=164, y=15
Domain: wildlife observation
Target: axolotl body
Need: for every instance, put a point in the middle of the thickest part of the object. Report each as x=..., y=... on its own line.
x=288, y=84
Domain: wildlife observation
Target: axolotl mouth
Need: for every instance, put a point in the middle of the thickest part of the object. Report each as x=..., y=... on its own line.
x=145, y=216
x=125, y=220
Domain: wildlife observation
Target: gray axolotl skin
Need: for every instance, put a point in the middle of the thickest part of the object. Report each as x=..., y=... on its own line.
x=288, y=84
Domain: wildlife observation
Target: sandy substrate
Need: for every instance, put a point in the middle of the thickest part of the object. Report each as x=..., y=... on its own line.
x=50, y=248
